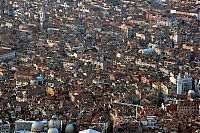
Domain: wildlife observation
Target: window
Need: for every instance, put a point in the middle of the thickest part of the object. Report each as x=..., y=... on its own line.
x=186, y=86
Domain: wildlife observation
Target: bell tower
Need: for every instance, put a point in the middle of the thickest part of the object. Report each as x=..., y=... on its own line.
x=179, y=84
x=42, y=16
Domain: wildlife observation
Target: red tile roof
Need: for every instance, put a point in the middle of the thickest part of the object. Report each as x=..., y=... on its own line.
x=5, y=51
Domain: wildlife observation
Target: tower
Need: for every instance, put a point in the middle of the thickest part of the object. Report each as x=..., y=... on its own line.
x=179, y=84
x=42, y=16
x=198, y=9
x=198, y=18
x=24, y=96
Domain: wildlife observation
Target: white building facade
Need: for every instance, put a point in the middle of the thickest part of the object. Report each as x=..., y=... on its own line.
x=183, y=84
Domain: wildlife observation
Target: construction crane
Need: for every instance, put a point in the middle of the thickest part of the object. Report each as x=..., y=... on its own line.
x=128, y=104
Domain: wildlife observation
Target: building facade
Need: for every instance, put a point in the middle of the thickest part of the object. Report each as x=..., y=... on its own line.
x=5, y=127
x=7, y=54
x=188, y=108
x=183, y=84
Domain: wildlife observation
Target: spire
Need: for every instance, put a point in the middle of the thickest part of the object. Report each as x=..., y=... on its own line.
x=186, y=75
x=179, y=76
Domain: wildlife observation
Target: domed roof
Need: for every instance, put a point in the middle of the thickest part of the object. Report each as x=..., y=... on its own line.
x=54, y=122
x=37, y=126
x=54, y=117
x=53, y=130
x=1, y=74
x=39, y=78
x=69, y=128
x=13, y=69
x=191, y=92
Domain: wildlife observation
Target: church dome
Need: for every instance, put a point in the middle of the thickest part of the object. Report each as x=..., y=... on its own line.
x=53, y=130
x=54, y=117
x=69, y=128
x=54, y=122
x=1, y=74
x=191, y=93
x=13, y=69
x=40, y=78
x=37, y=126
